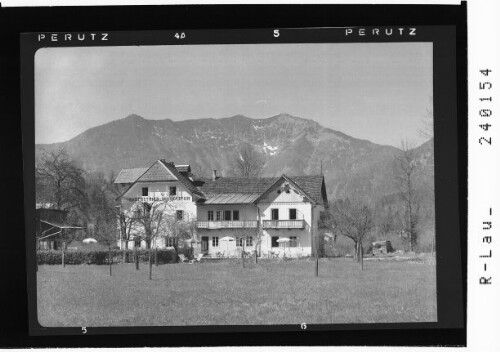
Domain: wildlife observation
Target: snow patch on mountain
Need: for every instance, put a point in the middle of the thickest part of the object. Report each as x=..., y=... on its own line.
x=157, y=132
x=269, y=149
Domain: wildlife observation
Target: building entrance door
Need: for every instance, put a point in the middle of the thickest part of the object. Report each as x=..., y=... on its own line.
x=204, y=244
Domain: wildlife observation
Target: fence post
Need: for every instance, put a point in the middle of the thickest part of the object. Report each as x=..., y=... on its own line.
x=136, y=258
x=317, y=265
x=63, y=256
x=243, y=252
x=150, y=264
x=109, y=259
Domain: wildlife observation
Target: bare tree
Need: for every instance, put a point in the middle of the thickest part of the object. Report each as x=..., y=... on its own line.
x=427, y=129
x=405, y=172
x=247, y=162
x=128, y=225
x=153, y=221
x=151, y=218
x=177, y=231
x=353, y=220
x=102, y=219
x=59, y=181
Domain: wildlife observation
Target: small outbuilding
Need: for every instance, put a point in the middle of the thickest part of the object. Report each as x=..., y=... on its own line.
x=51, y=228
x=382, y=247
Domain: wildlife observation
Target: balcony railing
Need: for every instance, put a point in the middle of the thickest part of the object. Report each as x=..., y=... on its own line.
x=283, y=224
x=237, y=224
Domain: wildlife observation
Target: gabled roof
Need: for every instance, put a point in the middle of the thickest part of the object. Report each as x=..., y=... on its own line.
x=130, y=175
x=285, y=178
x=312, y=186
x=223, y=190
x=186, y=182
x=158, y=172
x=166, y=171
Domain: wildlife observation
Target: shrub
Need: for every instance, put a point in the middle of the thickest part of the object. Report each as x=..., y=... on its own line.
x=75, y=257
x=100, y=257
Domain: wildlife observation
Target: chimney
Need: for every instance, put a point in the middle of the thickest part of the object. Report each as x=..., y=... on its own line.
x=214, y=175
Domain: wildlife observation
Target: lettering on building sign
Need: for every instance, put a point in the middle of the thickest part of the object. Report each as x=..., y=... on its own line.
x=155, y=199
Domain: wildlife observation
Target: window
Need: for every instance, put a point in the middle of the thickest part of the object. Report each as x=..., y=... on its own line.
x=239, y=242
x=249, y=241
x=293, y=241
x=179, y=214
x=210, y=215
x=236, y=215
x=274, y=214
x=274, y=241
x=227, y=215
x=215, y=241
x=145, y=191
x=219, y=215
x=169, y=241
x=173, y=191
x=293, y=214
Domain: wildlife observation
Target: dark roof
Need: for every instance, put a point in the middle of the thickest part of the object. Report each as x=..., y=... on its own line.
x=159, y=172
x=186, y=182
x=130, y=175
x=166, y=171
x=236, y=184
x=206, y=188
x=232, y=198
x=312, y=185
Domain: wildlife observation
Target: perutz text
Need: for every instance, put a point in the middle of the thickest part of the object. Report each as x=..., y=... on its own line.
x=380, y=32
x=68, y=37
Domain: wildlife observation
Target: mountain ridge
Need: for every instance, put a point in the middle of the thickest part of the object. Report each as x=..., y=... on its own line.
x=291, y=145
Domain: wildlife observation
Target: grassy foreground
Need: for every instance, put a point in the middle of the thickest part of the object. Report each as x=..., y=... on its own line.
x=226, y=294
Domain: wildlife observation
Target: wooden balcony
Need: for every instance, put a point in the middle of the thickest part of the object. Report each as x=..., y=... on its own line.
x=283, y=224
x=237, y=224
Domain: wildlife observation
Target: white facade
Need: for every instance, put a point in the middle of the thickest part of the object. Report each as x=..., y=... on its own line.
x=280, y=221
x=171, y=196
x=284, y=215
x=160, y=191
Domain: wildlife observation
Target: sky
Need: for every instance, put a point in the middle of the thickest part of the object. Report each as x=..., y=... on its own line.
x=381, y=92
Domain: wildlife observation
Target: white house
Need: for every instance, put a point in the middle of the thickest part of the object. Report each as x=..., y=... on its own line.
x=273, y=215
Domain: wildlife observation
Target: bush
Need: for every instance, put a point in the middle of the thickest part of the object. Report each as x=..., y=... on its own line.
x=75, y=257
x=100, y=257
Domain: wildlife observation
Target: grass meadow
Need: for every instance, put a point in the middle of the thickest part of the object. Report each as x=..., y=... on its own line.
x=226, y=294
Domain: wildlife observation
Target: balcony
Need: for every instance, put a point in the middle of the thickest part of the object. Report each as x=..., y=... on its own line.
x=283, y=224
x=237, y=224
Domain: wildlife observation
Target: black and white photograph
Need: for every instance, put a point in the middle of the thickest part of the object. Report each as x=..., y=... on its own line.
x=235, y=184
